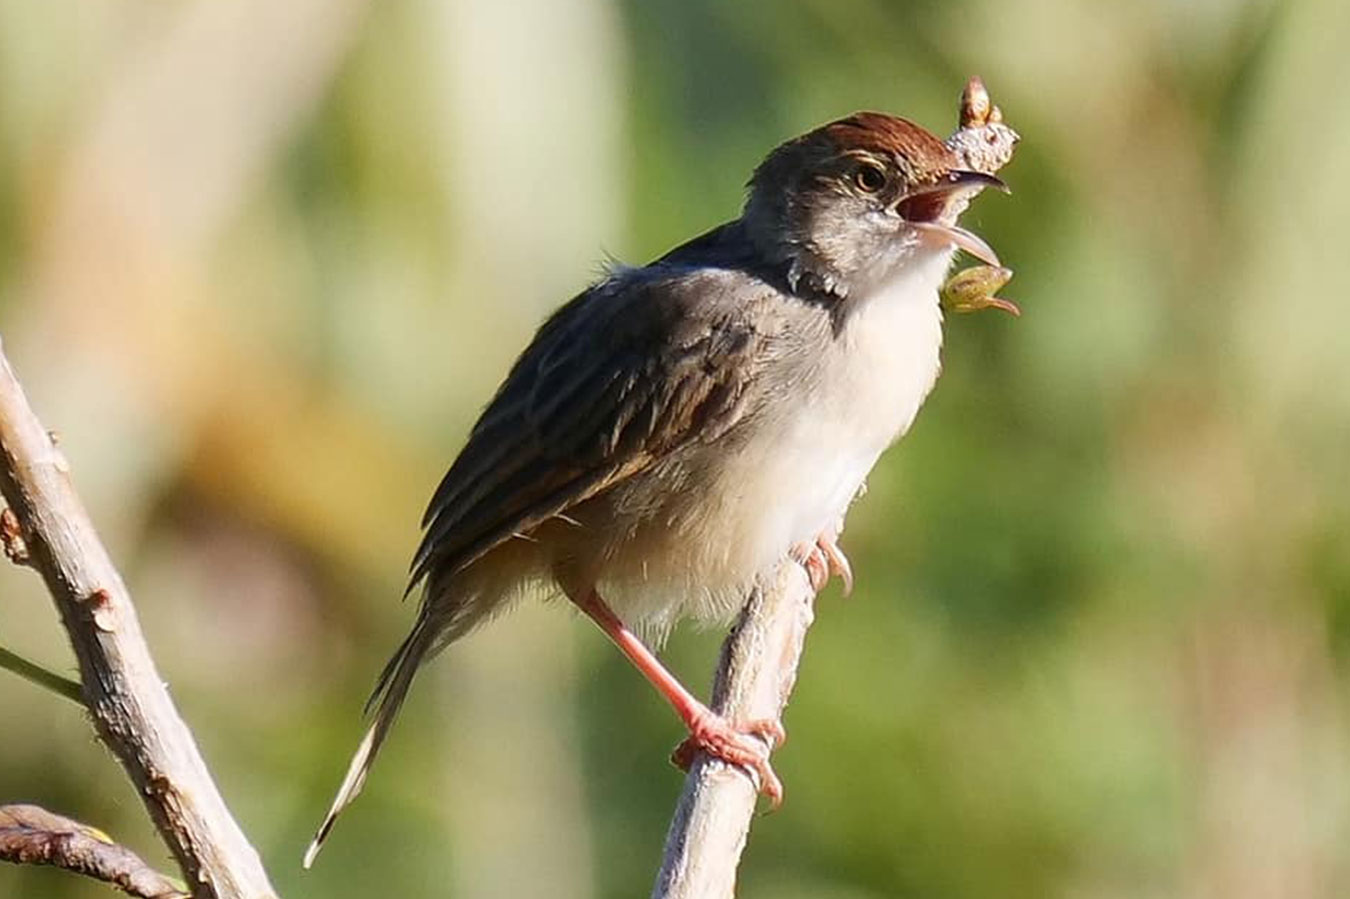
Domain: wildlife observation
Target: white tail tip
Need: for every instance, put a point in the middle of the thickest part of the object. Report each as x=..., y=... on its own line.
x=351, y=786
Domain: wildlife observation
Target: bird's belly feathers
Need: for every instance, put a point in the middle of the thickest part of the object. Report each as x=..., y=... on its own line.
x=875, y=378
x=736, y=514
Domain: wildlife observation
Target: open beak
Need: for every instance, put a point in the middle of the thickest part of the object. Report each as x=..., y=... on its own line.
x=925, y=208
x=936, y=234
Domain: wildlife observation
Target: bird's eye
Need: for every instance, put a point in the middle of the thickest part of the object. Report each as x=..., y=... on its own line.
x=870, y=177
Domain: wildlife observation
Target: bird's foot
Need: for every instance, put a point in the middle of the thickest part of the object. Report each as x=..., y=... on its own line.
x=738, y=745
x=823, y=559
x=838, y=562
x=817, y=565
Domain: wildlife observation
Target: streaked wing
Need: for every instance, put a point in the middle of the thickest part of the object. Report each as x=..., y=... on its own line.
x=626, y=372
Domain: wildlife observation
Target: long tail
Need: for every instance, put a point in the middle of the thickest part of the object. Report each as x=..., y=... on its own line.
x=384, y=704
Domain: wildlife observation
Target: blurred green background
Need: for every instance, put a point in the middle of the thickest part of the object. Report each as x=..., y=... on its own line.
x=261, y=263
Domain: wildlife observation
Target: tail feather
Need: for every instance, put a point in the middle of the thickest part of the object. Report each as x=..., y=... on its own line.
x=384, y=705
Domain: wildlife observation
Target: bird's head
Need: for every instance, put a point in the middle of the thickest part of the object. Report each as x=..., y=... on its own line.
x=846, y=204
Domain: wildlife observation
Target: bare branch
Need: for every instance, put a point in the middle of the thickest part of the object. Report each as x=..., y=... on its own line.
x=758, y=665
x=31, y=835
x=755, y=675
x=124, y=693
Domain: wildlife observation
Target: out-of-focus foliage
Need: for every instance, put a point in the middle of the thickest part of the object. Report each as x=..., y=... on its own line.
x=260, y=264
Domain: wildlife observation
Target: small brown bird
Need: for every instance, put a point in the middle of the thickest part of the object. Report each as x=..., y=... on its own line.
x=677, y=429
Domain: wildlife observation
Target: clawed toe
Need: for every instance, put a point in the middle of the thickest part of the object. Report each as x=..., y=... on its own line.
x=770, y=730
x=838, y=563
x=823, y=559
x=812, y=558
x=737, y=745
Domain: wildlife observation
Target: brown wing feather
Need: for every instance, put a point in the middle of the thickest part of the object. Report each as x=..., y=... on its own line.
x=619, y=377
x=616, y=378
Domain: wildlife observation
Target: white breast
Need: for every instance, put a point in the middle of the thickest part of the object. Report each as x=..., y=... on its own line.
x=882, y=368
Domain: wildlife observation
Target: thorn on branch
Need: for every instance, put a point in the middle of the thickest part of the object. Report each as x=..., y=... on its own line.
x=975, y=105
x=31, y=835
x=100, y=604
x=11, y=535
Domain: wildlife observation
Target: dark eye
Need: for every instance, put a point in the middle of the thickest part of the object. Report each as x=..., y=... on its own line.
x=870, y=177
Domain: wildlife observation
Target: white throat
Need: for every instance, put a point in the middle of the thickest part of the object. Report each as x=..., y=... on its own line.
x=892, y=341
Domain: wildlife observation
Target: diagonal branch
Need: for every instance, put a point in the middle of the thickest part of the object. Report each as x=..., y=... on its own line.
x=124, y=693
x=758, y=665
x=30, y=835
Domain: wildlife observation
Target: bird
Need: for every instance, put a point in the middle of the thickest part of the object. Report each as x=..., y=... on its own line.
x=678, y=428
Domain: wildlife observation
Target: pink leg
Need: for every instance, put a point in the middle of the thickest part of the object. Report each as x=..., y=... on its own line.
x=708, y=731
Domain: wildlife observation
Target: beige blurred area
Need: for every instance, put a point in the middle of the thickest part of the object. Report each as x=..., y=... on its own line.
x=261, y=264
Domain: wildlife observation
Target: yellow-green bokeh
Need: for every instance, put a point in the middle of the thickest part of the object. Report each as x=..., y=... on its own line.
x=261, y=263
